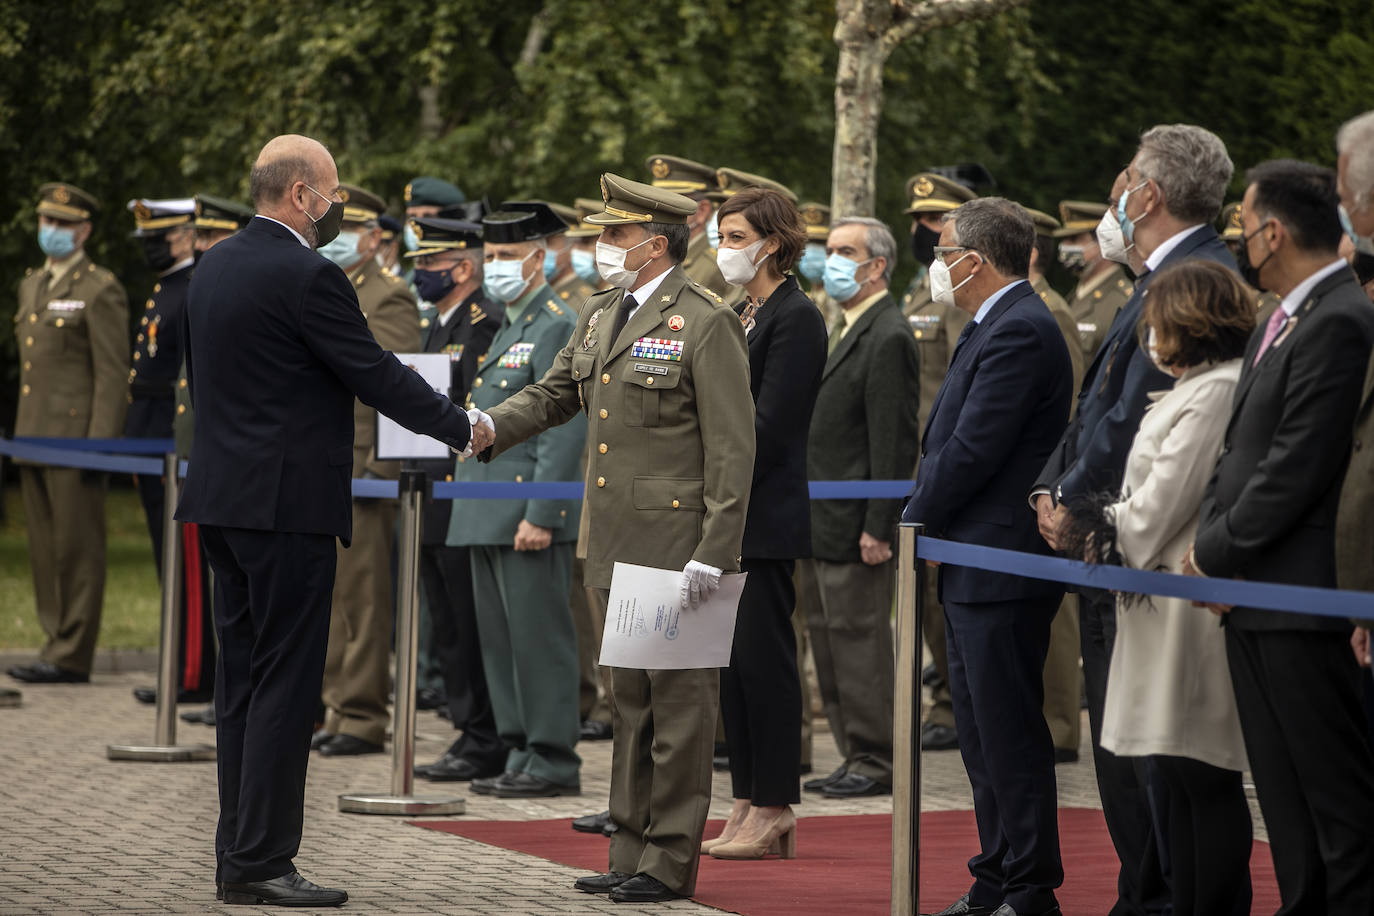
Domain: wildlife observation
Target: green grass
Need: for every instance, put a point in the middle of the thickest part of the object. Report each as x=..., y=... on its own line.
x=132, y=601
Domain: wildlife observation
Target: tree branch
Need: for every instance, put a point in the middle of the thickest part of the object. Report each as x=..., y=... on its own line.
x=534, y=38
x=916, y=17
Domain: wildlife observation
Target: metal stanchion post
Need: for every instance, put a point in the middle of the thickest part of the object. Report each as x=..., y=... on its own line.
x=906, y=728
x=164, y=747
x=412, y=493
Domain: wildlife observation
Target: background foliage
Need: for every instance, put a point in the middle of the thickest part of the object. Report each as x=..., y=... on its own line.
x=159, y=98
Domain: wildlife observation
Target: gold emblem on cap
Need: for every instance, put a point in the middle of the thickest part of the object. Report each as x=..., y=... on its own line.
x=924, y=187
x=1234, y=221
x=659, y=168
x=61, y=195
x=605, y=194
x=722, y=179
x=812, y=216
x=141, y=211
x=407, y=193
x=199, y=207
x=417, y=229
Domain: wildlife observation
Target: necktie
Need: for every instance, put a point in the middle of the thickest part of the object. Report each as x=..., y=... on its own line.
x=964, y=335
x=1271, y=330
x=627, y=305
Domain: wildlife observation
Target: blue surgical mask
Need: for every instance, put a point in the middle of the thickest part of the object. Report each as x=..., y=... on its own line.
x=343, y=250
x=56, y=241
x=1127, y=224
x=504, y=281
x=713, y=232
x=408, y=238
x=812, y=264
x=839, y=277
x=550, y=265
x=433, y=285
x=1363, y=243
x=584, y=265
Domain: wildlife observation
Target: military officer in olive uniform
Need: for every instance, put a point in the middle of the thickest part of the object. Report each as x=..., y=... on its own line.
x=216, y=219
x=357, y=675
x=522, y=550
x=936, y=327
x=660, y=367
x=696, y=182
x=1103, y=285
x=166, y=231
x=72, y=328
x=1232, y=234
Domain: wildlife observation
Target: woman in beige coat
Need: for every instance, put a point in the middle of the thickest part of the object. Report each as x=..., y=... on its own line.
x=1169, y=696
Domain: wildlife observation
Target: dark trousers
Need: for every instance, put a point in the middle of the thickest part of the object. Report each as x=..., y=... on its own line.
x=1298, y=698
x=1140, y=885
x=272, y=600
x=446, y=576
x=761, y=690
x=1209, y=838
x=996, y=677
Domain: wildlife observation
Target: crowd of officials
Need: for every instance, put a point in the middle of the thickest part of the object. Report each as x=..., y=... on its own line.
x=1213, y=427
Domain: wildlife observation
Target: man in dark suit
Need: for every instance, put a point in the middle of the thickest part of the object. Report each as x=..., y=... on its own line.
x=991, y=428
x=863, y=428
x=1270, y=513
x=276, y=350
x=1164, y=204
x=448, y=272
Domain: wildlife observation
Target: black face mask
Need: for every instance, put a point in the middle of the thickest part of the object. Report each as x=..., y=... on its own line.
x=1249, y=272
x=1364, y=267
x=157, y=251
x=923, y=242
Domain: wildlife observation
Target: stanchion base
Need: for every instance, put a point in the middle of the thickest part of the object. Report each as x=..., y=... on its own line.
x=402, y=804
x=154, y=753
x=10, y=697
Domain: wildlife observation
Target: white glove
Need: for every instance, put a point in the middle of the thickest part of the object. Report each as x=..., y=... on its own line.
x=698, y=582
x=475, y=417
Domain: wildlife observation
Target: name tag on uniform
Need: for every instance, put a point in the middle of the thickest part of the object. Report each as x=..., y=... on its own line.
x=924, y=326
x=518, y=355
x=657, y=348
x=454, y=351
x=1087, y=327
x=650, y=367
x=66, y=305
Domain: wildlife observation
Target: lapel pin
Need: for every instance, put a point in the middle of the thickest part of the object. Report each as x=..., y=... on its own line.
x=676, y=323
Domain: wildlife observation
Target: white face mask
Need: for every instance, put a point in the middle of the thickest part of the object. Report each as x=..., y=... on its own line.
x=737, y=265
x=1111, y=239
x=610, y=261
x=942, y=286
x=1152, y=348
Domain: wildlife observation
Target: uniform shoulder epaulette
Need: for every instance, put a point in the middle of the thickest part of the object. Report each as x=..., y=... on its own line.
x=564, y=295
x=553, y=307
x=391, y=276
x=1044, y=297
x=706, y=293
x=603, y=292
x=360, y=280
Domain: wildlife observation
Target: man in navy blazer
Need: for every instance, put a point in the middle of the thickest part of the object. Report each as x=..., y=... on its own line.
x=276, y=350
x=1161, y=212
x=993, y=424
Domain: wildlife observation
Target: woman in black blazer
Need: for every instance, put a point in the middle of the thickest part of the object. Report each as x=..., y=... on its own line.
x=762, y=236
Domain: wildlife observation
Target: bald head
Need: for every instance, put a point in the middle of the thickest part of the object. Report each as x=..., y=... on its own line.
x=293, y=180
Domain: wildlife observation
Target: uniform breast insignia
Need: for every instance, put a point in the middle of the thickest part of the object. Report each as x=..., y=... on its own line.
x=657, y=348
x=588, y=341
x=454, y=351
x=66, y=305
x=553, y=307
x=152, y=336
x=518, y=355
x=676, y=323
x=925, y=327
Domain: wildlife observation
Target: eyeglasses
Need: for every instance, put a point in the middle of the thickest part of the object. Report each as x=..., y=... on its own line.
x=942, y=250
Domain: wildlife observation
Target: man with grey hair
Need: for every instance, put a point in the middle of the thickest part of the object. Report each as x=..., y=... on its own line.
x=994, y=422
x=1169, y=197
x=863, y=428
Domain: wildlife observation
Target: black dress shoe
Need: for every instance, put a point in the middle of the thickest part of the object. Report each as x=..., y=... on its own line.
x=962, y=907
x=1066, y=755
x=348, y=746
x=593, y=823
x=450, y=768
x=487, y=785
x=852, y=785
x=524, y=785
x=804, y=769
x=288, y=890
x=219, y=891
x=643, y=888
x=149, y=695
x=47, y=673
x=1007, y=910
x=720, y=764
x=601, y=884
x=595, y=731
x=938, y=738
x=320, y=739
x=429, y=698
x=820, y=782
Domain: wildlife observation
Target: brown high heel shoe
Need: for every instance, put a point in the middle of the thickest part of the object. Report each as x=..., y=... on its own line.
x=780, y=836
x=727, y=833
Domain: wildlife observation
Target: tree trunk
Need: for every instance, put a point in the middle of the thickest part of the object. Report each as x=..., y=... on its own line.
x=431, y=122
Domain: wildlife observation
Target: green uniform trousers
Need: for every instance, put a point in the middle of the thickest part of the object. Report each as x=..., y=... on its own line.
x=1063, y=680
x=661, y=770
x=591, y=707
x=357, y=666
x=65, y=513
x=529, y=653
x=595, y=623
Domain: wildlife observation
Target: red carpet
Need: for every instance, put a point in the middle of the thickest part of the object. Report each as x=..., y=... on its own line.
x=843, y=865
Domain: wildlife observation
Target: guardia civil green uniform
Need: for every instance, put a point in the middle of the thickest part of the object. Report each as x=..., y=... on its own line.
x=357, y=671
x=936, y=327
x=72, y=332
x=672, y=454
x=816, y=219
x=1101, y=293
x=570, y=289
x=529, y=647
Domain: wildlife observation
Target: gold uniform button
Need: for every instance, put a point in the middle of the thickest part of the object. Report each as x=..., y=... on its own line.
x=605, y=378
x=181, y=409
x=131, y=399
x=144, y=322
x=477, y=384
x=519, y=478
x=137, y=356
x=27, y=389
x=503, y=383
x=649, y=380
x=181, y=383
x=27, y=365
x=148, y=304
x=140, y=338
x=448, y=478
x=71, y=412
x=563, y=513
x=601, y=448
x=60, y=322
x=603, y=413
x=32, y=318
x=28, y=341
x=157, y=288
x=675, y=504
x=600, y=481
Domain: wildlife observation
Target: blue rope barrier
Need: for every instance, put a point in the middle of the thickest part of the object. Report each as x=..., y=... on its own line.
x=1323, y=602
x=73, y=458
x=113, y=446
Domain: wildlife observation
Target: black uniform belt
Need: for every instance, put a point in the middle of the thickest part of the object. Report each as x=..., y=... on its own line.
x=152, y=390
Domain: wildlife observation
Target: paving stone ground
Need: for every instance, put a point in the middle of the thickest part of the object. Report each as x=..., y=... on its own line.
x=82, y=834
